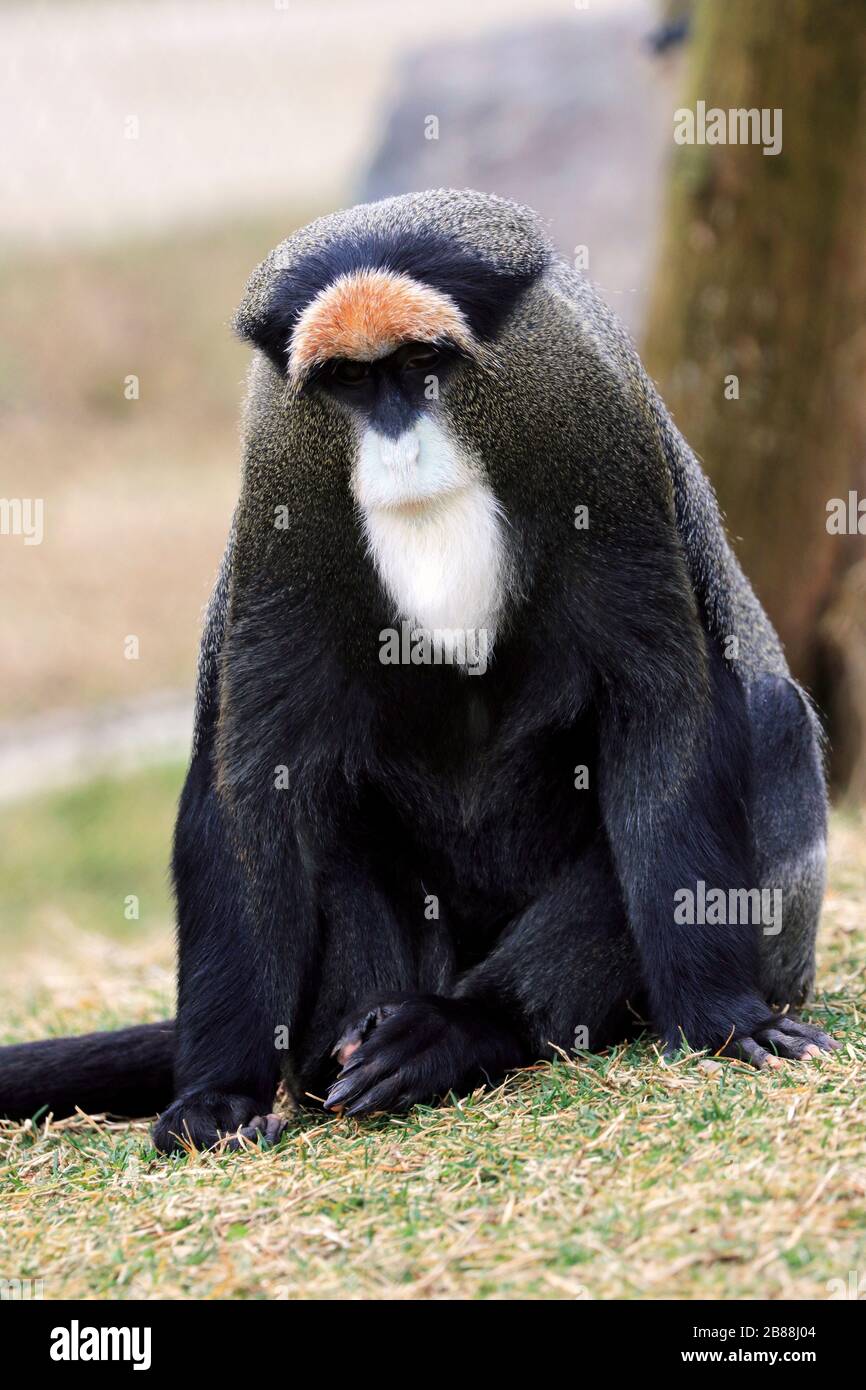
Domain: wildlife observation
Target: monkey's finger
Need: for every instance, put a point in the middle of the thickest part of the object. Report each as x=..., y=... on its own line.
x=348, y=1088
x=747, y=1050
x=364, y=1068
x=787, y=1044
x=388, y=1095
x=410, y=1080
x=808, y=1031
x=357, y=1033
x=275, y=1128
x=264, y=1129
x=385, y=1047
x=376, y=1068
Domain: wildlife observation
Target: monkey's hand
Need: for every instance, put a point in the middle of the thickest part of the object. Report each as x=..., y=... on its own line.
x=201, y=1119
x=780, y=1036
x=418, y=1048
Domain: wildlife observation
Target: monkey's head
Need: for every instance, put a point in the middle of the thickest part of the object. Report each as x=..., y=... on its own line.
x=390, y=318
x=430, y=362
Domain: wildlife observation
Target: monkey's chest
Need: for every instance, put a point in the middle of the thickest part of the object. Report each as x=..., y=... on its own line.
x=493, y=816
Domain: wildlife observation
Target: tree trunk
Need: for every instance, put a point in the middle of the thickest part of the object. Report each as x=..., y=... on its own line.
x=757, y=330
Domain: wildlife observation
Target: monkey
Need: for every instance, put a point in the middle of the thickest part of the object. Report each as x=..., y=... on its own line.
x=398, y=879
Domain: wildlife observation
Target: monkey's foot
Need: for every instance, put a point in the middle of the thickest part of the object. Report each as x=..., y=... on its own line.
x=262, y=1129
x=781, y=1037
x=201, y=1119
x=415, y=1049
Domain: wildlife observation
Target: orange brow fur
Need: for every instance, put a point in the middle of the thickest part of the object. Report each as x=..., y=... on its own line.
x=367, y=314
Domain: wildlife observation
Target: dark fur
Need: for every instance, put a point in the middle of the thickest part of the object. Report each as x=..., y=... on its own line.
x=306, y=906
x=130, y=1072
x=485, y=293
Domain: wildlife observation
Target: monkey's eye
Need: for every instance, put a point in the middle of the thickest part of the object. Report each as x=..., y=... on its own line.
x=418, y=357
x=348, y=372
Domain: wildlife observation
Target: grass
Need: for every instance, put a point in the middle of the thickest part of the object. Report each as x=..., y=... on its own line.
x=596, y=1177
x=78, y=857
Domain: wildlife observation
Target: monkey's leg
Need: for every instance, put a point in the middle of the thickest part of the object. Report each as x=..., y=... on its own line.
x=226, y=1065
x=563, y=974
x=372, y=946
x=790, y=820
x=567, y=967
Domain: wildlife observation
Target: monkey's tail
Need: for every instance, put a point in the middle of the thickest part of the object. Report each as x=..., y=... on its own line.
x=128, y=1073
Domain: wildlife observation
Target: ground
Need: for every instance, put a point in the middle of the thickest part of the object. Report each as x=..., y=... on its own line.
x=595, y=1177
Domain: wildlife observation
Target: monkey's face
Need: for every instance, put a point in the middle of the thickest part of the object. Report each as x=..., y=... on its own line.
x=432, y=524
x=400, y=418
x=404, y=457
x=376, y=310
x=378, y=348
x=379, y=345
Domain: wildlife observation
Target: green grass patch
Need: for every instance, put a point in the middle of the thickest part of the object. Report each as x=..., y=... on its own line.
x=609, y=1176
x=79, y=856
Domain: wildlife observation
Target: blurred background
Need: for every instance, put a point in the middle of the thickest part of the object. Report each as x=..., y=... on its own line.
x=154, y=152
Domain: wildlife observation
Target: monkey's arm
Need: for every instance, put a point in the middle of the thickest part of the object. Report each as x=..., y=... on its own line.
x=562, y=974
x=226, y=1070
x=566, y=966
x=676, y=794
x=674, y=787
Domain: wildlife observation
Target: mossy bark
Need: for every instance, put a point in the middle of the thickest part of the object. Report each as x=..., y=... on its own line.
x=762, y=278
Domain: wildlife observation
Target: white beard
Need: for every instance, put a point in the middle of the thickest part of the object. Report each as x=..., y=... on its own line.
x=434, y=530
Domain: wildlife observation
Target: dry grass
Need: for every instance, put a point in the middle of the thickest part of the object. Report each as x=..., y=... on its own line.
x=137, y=494
x=603, y=1177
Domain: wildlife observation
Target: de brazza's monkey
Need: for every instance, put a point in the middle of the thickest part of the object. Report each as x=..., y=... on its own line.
x=495, y=748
